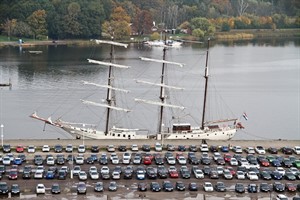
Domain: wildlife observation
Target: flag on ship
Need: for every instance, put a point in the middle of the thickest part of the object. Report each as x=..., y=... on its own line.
x=245, y=116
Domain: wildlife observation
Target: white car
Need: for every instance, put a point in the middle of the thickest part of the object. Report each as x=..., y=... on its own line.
x=208, y=187
x=244, y=162
x=237, y=149
x=252, y=176
x=260, y=150
x=115, y=160
x=250, y=150
x=31, y=149
x=240, y=175
x=93, y=169
x=294, y=170
x=50, y=160
x=82, y=175
x=280, y=170
x=94, y=175
x=227, y=174
x=110, y=148
x=171, y=160
x=134, y=147
x=38, y=175
x=126, y=161
x=281, y=197
x=81, y=148
x=69, y=148
x=40, y=168
x=40, y=189
x=79, y=160
x=233, y=162
x=296, y=150
x=181, y=160
x=116, y=175
x=45, y=148
x=158, y=147
x=6, y=160
x=76, y=169
x=198, y=173
x=216, y=156
x=105, y=170
x=204, y=148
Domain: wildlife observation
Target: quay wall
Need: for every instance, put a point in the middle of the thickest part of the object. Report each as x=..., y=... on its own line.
x=103, y=143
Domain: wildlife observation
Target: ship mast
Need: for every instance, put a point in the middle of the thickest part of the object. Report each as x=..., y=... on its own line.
x=205, y=88
x=162, y=90
x=109, y=91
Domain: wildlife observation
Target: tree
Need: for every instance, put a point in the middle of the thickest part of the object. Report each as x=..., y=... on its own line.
x=71, y=24
x=143, y=22
x=198, y=33
x=22, y=29
x=9, y=26
x=37, y=22
x=119, y=25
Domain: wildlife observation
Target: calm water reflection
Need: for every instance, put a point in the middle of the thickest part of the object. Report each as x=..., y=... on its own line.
x=258, y=77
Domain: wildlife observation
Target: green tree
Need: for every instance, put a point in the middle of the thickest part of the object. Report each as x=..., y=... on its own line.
x=203, y=24
x=198, y=33
x=37, y=22
x=22, y=29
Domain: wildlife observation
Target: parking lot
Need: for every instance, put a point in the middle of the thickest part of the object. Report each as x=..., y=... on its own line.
x=188, y=168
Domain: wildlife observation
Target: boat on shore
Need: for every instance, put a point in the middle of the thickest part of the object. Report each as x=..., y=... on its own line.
x=223, y=129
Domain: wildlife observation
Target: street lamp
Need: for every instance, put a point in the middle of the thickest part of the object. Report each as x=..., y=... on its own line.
x=83, y=125
x=2, y=126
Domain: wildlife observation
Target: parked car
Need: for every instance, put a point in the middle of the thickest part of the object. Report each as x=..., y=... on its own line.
x=15, y=189
x=81, y=188
x=40, y=189
x=239, y=188
x=208, y=187
x=55, y=188
x=99, y=187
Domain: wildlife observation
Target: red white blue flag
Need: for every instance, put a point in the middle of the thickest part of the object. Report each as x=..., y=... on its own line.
x=245, y=116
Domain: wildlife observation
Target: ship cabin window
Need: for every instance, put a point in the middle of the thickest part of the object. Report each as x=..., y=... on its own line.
x=181, y=127
x=118, y=135
x=124, y=135
x=113, y=134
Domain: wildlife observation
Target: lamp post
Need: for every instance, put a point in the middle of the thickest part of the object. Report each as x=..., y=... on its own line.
x=83, y=125
x=2, y=126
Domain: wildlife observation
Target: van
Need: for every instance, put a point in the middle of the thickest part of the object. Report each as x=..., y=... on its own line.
x=158, y=147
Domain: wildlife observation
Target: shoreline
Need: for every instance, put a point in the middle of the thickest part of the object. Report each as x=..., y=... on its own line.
x=104, y=143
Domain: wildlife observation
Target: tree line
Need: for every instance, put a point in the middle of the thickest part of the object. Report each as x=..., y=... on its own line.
x=85, y=19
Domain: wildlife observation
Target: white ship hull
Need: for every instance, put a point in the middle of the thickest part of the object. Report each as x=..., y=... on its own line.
x=198, y=134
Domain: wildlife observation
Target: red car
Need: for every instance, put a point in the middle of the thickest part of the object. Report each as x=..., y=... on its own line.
x=232, y=171
x=173, y=174
x=20, y=149
x=147, y=160
x=149, y=155
x=264, y=162
x=13, y=174
x=290, y=187
x=227, y=157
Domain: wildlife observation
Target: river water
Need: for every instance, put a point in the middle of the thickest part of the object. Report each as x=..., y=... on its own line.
x=261, y=78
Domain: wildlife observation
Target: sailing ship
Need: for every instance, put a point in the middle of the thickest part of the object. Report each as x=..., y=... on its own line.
x=212, y=130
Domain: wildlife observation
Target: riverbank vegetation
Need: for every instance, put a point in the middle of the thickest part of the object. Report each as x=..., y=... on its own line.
x=123, y=19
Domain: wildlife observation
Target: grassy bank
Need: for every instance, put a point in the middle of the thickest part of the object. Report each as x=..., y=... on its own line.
x=256, y=33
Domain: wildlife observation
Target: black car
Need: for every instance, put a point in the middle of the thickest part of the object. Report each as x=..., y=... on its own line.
x=265, y=175
x=213, y=148
x=22, y=157
x=181, y=148
x=277, y=175
x=95, y=148
x=193, y=148
x=193, y=186
x=205, y=161
x=167, y=186
x=55, y=188
x=2, y=169
x=128, y=174
x=6, y=148
x=99, y=187
x=193, y=160
x=264, y=187
x=287, y=150
x=62, y=175
x=15, y=189
x=151, y=173
x=26, y=175
x=60, y=160
x=58, y=148
x=142, y=187
x=89, y=160
x=272, y=150
x=122, y=148
x=103, y=161
x=287, y=162
x=162, y=172
x=220, y=187
x=239, y=188
x=179, y=185
x=206, y=170
x=185, y=174
x=146, y=147
x=4, y=188
x=289, y=176
x=252, y=188
x=158, y=160
x=155, y=187
x=278, y=187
